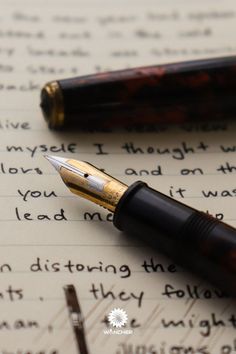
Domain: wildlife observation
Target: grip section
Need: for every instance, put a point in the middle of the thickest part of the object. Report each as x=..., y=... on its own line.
x=198, y=227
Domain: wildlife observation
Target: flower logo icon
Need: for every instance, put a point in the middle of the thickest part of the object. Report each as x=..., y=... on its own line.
x=117, y=317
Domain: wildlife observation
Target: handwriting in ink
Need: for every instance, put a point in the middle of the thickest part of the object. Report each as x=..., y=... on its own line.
x=204, y=326
x=192, y=292
x=98, y=216
x=14, y=125
x=99, y=292
x=22, y=216
x=177, y=153
x=144, y=172
x=43, y=148
x=19, y=170
x=48, y=265
x=26, y=195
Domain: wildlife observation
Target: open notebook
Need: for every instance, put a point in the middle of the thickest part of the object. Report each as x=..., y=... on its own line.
x=50, y=238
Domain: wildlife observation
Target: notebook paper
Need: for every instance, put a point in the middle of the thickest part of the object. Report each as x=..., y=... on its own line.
x=50, y=238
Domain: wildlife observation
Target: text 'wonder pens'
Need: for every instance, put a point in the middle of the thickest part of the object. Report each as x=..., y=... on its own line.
x=168, y=93
x=191, y=237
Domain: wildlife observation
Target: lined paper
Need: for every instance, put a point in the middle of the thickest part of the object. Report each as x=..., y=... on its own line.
x=50, y=238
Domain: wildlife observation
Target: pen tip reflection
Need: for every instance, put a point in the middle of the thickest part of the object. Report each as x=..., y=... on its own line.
x=56, y=161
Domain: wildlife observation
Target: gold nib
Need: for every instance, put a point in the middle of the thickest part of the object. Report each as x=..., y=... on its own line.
x=87, y=181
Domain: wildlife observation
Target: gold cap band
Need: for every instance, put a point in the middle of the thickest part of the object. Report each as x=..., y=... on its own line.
x=52, y=104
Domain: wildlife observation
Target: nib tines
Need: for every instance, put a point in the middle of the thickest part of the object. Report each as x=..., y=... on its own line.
x=59, y=162
x=94, y=182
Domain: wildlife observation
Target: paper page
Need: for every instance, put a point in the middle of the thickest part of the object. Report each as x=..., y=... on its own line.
x=51, y=238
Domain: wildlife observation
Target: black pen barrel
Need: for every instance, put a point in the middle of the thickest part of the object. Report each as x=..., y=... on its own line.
x=166, y=93
x=194, y=239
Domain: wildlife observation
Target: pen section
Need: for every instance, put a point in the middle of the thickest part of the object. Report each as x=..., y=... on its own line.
x=173, y=93
x=194, y=239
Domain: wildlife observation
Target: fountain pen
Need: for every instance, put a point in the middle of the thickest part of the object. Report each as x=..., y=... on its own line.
x=192, y=238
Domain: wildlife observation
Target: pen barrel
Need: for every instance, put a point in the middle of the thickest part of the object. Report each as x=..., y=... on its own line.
x=194, y=239
x=172, y=93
